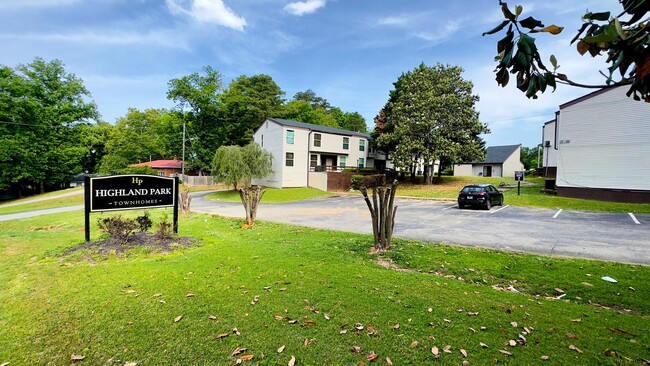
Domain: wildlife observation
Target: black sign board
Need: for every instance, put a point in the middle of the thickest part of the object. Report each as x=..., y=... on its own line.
x=519, y=176
x=130, y=192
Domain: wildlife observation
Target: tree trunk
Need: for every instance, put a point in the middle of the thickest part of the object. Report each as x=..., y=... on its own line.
x=185, y=200
x=382, y=213
x=250, y=198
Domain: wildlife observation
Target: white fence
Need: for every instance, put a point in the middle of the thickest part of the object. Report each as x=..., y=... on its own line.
x=203, y=180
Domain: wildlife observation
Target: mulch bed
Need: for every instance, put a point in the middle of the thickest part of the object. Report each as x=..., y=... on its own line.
x=158, y=243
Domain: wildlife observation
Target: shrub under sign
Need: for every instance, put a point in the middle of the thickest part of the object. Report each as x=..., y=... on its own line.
x=130, y=192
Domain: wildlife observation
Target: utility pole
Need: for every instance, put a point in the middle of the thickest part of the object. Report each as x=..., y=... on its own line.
x=183, y=162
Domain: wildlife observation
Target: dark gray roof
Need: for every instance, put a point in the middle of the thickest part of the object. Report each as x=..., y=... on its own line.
x=498, y=154
x=318, y=128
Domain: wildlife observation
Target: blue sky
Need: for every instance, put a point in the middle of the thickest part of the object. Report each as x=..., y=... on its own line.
x=348, y=51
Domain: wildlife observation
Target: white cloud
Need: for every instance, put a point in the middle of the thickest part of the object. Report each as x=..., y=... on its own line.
x=400, y=20
x=208, y=11
x=103, y=37
x=300, y=8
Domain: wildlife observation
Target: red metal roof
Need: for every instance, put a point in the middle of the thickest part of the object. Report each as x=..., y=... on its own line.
x=169, y=164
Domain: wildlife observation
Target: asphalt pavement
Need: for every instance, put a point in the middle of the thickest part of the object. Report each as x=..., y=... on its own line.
x=619, y=237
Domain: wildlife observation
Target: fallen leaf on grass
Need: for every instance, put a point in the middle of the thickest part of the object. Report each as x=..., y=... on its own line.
x=512, y=343
x=619, y=331
x=278, y=317
x=77, y=357
x=129, y=291
x=414, y=344
x=281, y=349
x=212, y=317
x=396, y=326
x=131, y=364
x=373, y=356
x=356, y=349
x=463, y=352
x=245, y=358
x=238, y=351
x=430, y=310
x=514, y=324
x=484, y=345
x=588, y=284
x=236, y=331
x=157, y=295
x=358, y=326
x=545, y=358
x=571, y=336
x=307, y=341
x=222, y=335
x=178, y=318
x=465, y=363
x=189, y=294
x=5, y=364
x=292, y=361
x=435, y=351
x=559, y=290
x=371, y=331
x=343, y=331
x=505, y=352
x=389, y=362
x=574, y=348
x=308, y=323
x=326, y=316
x=447, y=348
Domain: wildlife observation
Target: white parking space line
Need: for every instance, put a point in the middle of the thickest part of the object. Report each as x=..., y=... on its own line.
x=502, y=208
x=557, y=213
x=449, y=207
x=634, y=218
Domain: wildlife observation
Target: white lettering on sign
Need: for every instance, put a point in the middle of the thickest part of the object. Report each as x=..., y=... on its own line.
x=131, y=192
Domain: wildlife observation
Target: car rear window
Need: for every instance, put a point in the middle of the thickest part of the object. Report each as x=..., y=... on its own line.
x=473, y=189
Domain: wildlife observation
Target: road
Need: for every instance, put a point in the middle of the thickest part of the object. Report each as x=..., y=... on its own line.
x=619, y=237
x=585, y=234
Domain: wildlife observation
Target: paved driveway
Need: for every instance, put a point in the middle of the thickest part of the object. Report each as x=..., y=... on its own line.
x=610, y=236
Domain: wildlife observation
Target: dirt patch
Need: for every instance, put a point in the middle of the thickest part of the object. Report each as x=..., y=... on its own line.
x=155, y=242
x=387, y=263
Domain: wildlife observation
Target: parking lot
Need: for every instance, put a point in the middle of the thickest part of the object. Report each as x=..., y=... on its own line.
x=610, y=236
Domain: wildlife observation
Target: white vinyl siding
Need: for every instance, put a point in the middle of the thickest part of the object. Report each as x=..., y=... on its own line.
x=604, y=142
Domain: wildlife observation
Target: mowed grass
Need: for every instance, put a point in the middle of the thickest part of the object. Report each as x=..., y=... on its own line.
x=274, y=195
x=51, y=201
x=530, y=194
x=156, y=309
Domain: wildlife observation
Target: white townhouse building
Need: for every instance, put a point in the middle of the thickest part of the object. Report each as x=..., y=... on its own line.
x=303, y=153
x=598, y=147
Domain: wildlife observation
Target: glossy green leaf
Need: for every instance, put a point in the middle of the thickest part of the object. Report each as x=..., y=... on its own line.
x=603, y=16
x=553, y=61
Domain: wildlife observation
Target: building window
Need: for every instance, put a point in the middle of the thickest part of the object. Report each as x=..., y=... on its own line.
x=317, y=138
x=362, y=145
x=346, y=143
x=342, y=161
x=288, y=159
x=161, y=174
x=360, y=163
x=313, y=160
x=371, y=150
x=290, y=137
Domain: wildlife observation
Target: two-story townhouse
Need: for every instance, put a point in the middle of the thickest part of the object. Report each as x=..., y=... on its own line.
x=600, y=147
x=301, y=149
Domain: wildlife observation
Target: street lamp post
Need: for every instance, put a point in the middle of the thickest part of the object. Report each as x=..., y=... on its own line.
x=183, y=158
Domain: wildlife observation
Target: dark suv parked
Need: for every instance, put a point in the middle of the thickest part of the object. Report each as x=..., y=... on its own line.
x=480, y=195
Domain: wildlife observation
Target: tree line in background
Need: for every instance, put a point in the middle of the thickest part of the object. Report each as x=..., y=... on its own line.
x=50, y=129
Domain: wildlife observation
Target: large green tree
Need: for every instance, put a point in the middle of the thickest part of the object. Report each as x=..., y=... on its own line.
x=238, y=166
x=142, y=136
x=248, y=101
x=430, y=115
x=198, y=99
x=624, y=36
x=40, y=106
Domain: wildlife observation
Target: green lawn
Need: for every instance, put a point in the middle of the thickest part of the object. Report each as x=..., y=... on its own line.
x=123, y=308
x=274, y=195
x=28, y=204
x=530, y=195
